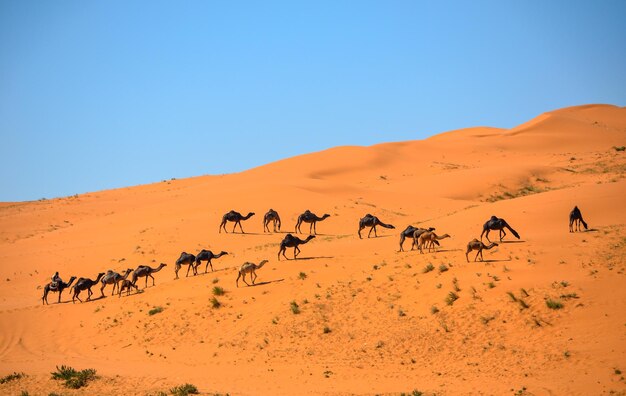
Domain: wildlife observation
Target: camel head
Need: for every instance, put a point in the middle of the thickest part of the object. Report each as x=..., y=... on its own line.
x=309, y=238
x=325, y=215
x=262, y=263
x=72, y=279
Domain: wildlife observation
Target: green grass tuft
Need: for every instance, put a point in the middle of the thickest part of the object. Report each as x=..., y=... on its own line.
x=218, y=291
x=155, y=311
x=554, y=304
x=74, y=379
x=11, y=377
x=302, y=275
x=184, y=390
x=451, y=298
x=215, y=303
x=428, y=268
x=295, y=308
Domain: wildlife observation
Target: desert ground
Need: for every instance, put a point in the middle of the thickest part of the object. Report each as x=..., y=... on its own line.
x=350, y=315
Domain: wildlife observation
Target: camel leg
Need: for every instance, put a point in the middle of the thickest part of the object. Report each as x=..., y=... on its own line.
x=370, y=233
x=188, y=268
x=360, y=228
x=402, y=237
x=296, y=251
x=466, y=253
x=102, y=289
x=152, y=280
x=243, y=278
x=486, y=235
x=176, y=269
x=237, y=281
x=89, y=294
x=502, y=234
x=59, y=301
x=253, y=276
x=477, y=253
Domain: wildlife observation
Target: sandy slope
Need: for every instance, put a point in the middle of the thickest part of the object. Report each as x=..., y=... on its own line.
x=366, y=323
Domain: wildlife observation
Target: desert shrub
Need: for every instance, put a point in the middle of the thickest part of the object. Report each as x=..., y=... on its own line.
x=218, y=291
x=302, y=275
x=295, y=308
x=11, y=377
x=155, y=311
x=452, y=297
x=428, y=268
x=554, y=304
x=74, y=379
x=443, y=268
x=215, y=303
x=327, y=330
x=434, y=309
x=513, y=298
x=184, y=390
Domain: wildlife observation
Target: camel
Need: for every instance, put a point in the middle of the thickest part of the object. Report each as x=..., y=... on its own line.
x=271, y=216
x=428, y=239
x=85, y=284
x=292, y=241
x=475, y=244
x=372, y=221
x=56, y=286
x=249, y=268
x=235, y=217
x=113, y=278
x=127, y=285
x=207, y=255
x=185, y=259
x=575, y=218
x=495, y=223
x=409, y=232
x=309, y=217
x=146, y=271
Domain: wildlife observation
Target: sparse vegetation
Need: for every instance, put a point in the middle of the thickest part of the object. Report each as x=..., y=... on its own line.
x=443, y=268
x=428, y=268
x=74, y=379
x=184, y=390
x=295, y=308
x=327, y=330
x=155, y=311
x=620, y=148
x=218, y=291
x=414, y=393
x=523, y=304
x=486, y=319
x=455, y=283
x=524, y=292
x=491, y=285
x=554, y=304
x=11, y=377
x=568, y=296
x=451, y=298
x=434, y=309
x=302, y=275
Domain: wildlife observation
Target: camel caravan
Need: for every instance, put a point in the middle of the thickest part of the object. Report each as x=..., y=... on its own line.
x=423, y=238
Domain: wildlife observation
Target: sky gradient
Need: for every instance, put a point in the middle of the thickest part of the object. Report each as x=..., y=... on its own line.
x=104, y=94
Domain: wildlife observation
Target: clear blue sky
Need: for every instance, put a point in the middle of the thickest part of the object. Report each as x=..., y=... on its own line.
x=104, y=94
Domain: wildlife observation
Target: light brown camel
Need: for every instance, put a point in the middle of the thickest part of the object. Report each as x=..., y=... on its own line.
x=311, y=218
x=57, y=286
x=85, y=284
x=235, y=217
x=475, y=244
x=249, y=268
x=428, y=239
x=271, y=216
x=113, y=278
x=292, y=241
x=146, y=271
x=127, y=284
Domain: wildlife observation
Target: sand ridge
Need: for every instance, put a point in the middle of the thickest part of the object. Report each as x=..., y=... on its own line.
x=372, y=320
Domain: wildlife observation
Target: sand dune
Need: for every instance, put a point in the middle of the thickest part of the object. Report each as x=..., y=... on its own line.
x=372, y=320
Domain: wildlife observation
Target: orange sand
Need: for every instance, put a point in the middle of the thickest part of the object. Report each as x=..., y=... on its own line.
x=375, y=302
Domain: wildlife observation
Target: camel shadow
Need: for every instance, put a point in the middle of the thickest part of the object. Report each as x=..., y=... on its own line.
x=590, y=230
x=378, y=236
x=495, y=261
x=311, y=258
x=267, y=282
x=522, y=241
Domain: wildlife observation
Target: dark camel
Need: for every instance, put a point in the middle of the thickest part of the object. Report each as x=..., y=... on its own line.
x=372, y=221
x=495, y=223
x=207, y=255
x=185, y=259
x=311, y=218
x=409, y=232
x=113, y=278
x=428, y=239
x=127, y=285
x=236, y=217
x=249, y=268
x=56, y=286
x=292, y=241
x=271, y=216
x=575, y=218
x=475, y=244
x=146, y=271
x=85, y=284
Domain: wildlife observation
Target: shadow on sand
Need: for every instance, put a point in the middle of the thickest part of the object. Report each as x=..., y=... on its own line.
x=266, y=282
